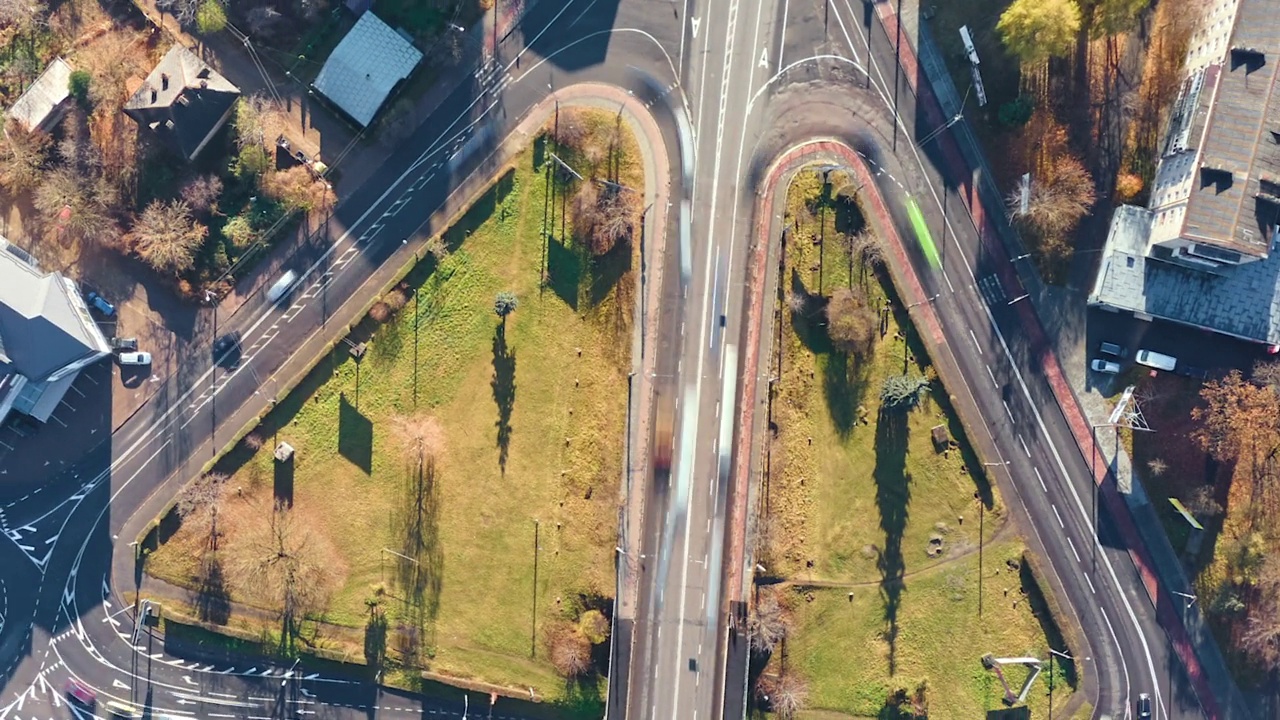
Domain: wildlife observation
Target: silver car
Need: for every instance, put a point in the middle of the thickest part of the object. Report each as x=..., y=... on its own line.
x=135, y=358
x=1105, y=366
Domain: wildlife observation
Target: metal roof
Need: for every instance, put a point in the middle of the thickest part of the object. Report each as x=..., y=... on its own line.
x=367, y=64
x=1239, y=148
x=45, y=96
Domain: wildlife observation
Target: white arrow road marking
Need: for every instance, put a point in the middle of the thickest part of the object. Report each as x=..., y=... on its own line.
x=212, y=701
x=187, y=679
x=695, y=26
x=764, y=58
x=118, y=684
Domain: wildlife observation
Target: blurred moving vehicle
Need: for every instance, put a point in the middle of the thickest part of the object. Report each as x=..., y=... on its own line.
x=118, y=709
x=81, y=693
x=664, y=432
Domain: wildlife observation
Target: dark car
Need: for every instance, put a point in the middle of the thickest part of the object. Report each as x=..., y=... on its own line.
x=100, y=304
x=124, y=344
x=1192, y=371
x=1144, y=707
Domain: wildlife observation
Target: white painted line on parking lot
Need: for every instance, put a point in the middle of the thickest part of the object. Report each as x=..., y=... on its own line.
x=67, y=405
x=7, y=445
x=55, y=419
x=86, y=377
x=73, y=387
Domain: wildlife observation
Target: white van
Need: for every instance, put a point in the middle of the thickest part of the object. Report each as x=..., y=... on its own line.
x=282, y=286
x=1156, y=360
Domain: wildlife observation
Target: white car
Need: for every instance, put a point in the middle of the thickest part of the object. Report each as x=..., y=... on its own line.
x=135, y=358
x=1105, y=366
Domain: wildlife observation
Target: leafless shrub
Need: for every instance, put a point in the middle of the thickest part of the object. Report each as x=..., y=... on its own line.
x=395, y=299
x=201, y=193
x=380, y=312
x=767, y=625
x=570, y=650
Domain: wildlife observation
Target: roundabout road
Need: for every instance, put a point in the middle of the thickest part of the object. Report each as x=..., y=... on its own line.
x=733, y=87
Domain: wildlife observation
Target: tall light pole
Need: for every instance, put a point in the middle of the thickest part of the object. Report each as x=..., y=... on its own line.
x=1064, y=656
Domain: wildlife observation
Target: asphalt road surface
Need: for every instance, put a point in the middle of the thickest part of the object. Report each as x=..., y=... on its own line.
x=751, y=80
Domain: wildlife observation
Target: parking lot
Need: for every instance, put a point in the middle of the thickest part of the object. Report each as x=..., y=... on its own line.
x=1217, y=354
x=31, y=452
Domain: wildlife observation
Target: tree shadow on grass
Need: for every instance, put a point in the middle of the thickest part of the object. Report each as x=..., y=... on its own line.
x=504, y=390
x=844, y=375
x=893, y=497
x=607, y=269
x=212, y=600
x=416, y=526
x=480, y=211
x=355, y=435
x=375, y=639
x=1040, y=608
x=564, y=271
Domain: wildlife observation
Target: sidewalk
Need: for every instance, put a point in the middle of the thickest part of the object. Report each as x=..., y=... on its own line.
x=1149, y=549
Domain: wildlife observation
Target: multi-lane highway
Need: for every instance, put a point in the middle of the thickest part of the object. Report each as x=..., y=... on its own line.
x=732, y=85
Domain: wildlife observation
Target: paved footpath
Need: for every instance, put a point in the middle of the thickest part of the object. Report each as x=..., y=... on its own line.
x=1062, y=390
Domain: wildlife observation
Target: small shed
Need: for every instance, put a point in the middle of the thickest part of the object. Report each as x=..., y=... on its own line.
x=941, y=440
x=46, y=101
x=284, y=452
x=369, y=62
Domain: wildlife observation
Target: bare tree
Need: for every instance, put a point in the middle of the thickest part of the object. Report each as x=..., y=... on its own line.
x=767, y=625
x=201, y=193
x=22, y=164
x=258, y=121
x=1261, y=636
x=184, y=11
x=298, y=189
x=202, y=499
x=263, y=20
x=166, y=237
x=419, y=432
x=21, y=13
x=785, y=694
x=75, y=207
x=851, y=323
x=281, y=564
x=1267, y=373
x=437, y=248
x=570, y=650
x=604, y=215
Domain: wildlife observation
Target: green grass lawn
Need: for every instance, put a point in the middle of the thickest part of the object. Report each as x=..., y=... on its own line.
x=532, y=416
x=861, y=501
x=845, y=646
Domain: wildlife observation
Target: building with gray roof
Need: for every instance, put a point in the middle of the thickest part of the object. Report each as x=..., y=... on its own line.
x=46, y=335
x=365, y=68
x=1202, y=252
x=184, y=102
x=42, y=105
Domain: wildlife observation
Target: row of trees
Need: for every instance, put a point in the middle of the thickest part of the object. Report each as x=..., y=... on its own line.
x=1240, y=424
x=1036, y=30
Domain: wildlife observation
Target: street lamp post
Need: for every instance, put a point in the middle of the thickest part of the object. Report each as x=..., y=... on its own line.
x=1064, y=656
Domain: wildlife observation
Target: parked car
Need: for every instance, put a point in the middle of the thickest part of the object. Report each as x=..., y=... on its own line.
x=81, y=693
x=124, y=344
x=135, y=358
x=1105, y=366
x=1113, y=349
x=1192, y=371
x=1144, y=707
x=100, y=304
x=1159, y=361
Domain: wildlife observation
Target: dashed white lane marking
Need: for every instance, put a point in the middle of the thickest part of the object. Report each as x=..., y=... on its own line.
x=975, y=342
x=1041, y=479
x=1024, y=446
x=1073, y=549
x=1091, y=590
x=1055, y=514
x=992, y=375
x=1007, y=411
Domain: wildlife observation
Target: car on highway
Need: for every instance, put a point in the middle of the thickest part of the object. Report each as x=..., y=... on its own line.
x=1144, y=707
x=664, y=434
x=135, y=358
x=1105, y=366
x=81, y=693
x=281, y=287
x=100, y=304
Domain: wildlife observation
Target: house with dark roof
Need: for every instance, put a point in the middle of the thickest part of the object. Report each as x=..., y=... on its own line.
x=1203, y=252
x=42, y=105
x=183, y=101
x=46, y=336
